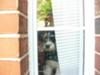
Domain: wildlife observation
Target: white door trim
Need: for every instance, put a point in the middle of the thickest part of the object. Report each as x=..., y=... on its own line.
x=89, y=37
x=32, y=36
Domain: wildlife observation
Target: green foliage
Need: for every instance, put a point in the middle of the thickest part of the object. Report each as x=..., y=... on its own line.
x=44, y=7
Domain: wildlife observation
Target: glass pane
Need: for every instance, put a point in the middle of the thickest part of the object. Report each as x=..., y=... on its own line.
x=70, y=51
x=97, y=15
x=97, y=25
x=44, y=13
x=68, y=12
x=67, y=44
x=47, y=54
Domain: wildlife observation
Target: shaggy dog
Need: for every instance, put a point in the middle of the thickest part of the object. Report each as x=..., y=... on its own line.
x=50, y=53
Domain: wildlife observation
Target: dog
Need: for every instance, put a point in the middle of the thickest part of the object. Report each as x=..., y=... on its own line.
x=51, y=66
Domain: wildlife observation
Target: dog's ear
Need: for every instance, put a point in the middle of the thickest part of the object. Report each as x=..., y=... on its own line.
x=52, y=36
x=40, y=36
x=53, y=39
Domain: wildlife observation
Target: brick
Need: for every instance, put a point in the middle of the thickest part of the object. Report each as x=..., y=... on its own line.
x=8, y=4
x=20, y=5
x=23, y=25
x=97, y=73
x=97, y=62
x=9, y=47
x=12, y=23
x=97, y=7
x=97, y=46
x=23, y=7
x=12, y=47
x=24, y=66
x=23, y=44
x=14, y=67
x=9, y=23
x=9, y=68
x=28, y=74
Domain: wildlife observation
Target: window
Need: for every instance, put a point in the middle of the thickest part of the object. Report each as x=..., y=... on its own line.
x=73, y=34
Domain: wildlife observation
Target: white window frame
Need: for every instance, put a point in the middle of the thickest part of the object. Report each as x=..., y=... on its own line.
x=89, y=37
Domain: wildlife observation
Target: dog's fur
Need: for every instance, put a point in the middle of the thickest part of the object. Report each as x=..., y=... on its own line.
x=51, y=66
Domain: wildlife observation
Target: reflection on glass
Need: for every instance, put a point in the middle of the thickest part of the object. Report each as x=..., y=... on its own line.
x=47, y=53
x=97, y=25
x=44, y=13
x=97, y=15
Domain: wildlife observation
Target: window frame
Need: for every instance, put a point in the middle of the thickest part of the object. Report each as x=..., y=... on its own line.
x=89, y=37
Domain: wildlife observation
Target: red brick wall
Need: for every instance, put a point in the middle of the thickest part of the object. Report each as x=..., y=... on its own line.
x=97, y=56
x=13, y=37
x=97, y=7
x=97, y=39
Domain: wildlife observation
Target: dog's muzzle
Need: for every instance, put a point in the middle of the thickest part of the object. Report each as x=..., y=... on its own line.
x=47, y=46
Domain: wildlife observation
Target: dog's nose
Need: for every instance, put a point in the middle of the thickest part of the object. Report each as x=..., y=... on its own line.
x=47, y=46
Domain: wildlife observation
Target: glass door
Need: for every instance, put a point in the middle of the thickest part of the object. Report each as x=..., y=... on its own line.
x=48, y=61
x=60, y=32
x=58, y=38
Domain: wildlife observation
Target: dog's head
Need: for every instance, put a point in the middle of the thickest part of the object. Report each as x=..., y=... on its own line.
x=48, y=39
x=49, y=44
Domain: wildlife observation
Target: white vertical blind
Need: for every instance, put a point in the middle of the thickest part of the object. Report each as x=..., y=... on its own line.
x=68, y=15
x=69, y=50
x=67, y=12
